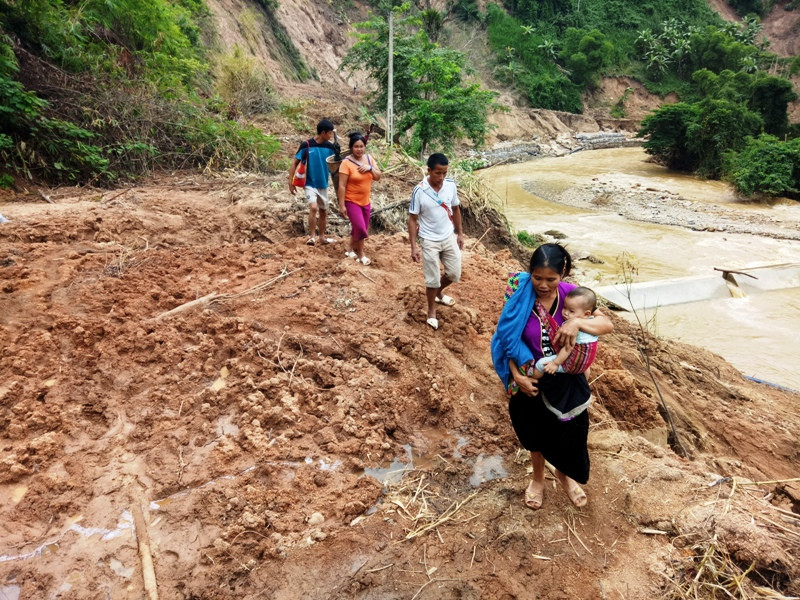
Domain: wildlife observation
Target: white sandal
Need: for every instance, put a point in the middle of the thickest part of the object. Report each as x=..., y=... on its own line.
x=364, y=261
x=433, y=322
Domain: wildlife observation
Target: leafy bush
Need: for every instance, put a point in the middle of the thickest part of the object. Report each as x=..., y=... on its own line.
x=717, y=50
x=765, y=94
x=130, y=74
x=721, y=126
x=766, y=165
x=668, y=131
x=694, y=137
x=528, y=240
x=584, y=54
x=243, y=84
x=750, y=7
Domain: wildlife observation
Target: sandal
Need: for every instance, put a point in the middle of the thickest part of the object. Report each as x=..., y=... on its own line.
x=575, y=492
x=534, y=499
x=311, y=241
x=350, y=254
x=364, y=261
x=326, y=241
x=446, y=300
x=578, y=496
x=433, y=322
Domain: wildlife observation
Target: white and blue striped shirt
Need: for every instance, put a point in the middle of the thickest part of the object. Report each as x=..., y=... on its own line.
x=435, y=224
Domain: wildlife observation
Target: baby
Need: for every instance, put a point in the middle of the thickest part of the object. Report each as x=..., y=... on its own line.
x=580, y=303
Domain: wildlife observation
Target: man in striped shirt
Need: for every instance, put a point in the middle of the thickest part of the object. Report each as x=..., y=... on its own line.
x=435, y=218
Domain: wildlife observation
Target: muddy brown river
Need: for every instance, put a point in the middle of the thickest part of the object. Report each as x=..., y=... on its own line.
x=755, y=330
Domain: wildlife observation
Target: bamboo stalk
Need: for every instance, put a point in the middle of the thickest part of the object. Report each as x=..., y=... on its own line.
x=146, y=558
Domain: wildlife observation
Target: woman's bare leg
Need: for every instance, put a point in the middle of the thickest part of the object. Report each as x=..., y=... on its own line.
x=535, y=492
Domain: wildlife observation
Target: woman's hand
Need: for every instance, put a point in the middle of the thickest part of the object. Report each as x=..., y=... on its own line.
x=527, y=385
x=343, y=209
x=568, y=332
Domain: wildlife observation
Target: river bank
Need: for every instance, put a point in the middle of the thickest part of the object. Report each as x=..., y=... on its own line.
x=666, y=207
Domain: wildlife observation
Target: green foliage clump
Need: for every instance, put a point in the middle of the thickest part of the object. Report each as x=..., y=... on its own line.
x=541, y=37
x=694, y=137
x=584, y=54
x=243, y=84
x=716, y=50
x=112, y=89
x=765, y=94
x=468, y=10
x=752, y=7
x=528, y=240
x=766, y=165
x=433, y=104
x=528, y=62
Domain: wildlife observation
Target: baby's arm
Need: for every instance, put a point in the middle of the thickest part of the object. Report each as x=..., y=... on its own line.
x=562, y=355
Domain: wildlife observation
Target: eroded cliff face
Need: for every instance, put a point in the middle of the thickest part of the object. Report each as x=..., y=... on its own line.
x=322, y=33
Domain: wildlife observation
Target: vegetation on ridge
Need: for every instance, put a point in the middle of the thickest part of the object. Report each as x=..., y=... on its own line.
x=433, y=103
x=109, y=89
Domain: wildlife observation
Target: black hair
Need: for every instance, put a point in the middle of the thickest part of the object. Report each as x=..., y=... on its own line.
x=587, y=296
x=436, y=159
x=551, y=256
x=324, y=125
x=357, y=137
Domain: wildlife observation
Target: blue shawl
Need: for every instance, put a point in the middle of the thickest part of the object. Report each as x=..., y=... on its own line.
x=507, y=340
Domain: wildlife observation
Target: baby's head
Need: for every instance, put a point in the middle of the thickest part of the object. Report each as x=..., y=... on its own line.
x=579, y=303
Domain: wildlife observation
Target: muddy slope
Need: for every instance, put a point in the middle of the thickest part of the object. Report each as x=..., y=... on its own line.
x=264, y=432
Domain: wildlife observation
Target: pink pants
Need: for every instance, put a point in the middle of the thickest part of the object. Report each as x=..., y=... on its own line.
x=359, y=219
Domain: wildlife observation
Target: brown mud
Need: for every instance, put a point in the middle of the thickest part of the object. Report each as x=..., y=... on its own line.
x=308, y=436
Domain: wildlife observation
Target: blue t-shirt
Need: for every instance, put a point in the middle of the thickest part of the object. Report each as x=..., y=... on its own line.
x=317, y=172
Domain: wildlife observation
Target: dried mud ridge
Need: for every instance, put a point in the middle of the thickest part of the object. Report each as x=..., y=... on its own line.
x=261, y=432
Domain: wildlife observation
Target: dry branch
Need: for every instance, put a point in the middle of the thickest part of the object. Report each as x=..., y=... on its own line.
x=214, y=297
x=143, y=539
x=446, y=516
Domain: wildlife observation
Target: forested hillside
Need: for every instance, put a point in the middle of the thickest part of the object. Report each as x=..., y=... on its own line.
x=101, y=91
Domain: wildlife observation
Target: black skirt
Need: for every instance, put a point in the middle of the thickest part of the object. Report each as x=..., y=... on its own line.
x=563, y=443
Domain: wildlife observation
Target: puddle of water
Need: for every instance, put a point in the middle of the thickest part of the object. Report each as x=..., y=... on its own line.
x=118, y=568
x=226, y=426
x=124, y=526
x=390, y=474
x=9, y=592
x=487, y=468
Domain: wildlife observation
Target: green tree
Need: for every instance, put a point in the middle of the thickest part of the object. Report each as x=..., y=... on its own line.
x=584, y=54
x=720, y=126
x=433, y=102
x=667, y=130
x=716, y=50
x=770, y=97
x=765, y=94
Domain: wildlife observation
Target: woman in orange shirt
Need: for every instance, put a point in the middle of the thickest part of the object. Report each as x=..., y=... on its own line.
x=356, y=174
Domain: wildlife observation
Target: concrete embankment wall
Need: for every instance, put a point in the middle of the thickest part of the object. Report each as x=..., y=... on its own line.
x=560, y=145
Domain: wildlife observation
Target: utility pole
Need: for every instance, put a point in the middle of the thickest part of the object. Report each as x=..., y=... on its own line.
x=390, y=91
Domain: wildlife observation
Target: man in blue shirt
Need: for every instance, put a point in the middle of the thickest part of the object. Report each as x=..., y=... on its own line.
x=315, y=152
